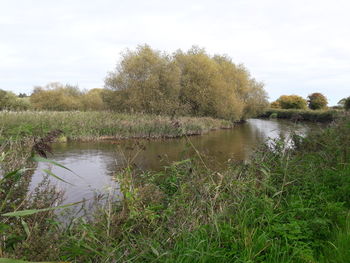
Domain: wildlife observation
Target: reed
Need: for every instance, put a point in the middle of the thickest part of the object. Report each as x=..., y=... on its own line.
x=103, y=125
x=286, y=205
x=303, y=115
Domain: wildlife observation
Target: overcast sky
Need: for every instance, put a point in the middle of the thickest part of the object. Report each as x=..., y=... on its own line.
x=293, y=46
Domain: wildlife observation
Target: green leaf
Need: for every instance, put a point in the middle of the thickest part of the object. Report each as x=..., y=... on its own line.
x=16, y=173
x=3, y=227
x=34, y=211
x=181, y=162
x=26, y=228
x=48, y=172
x=155, y=251
x=44, y=160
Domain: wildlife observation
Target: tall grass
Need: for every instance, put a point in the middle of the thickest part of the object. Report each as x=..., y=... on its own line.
x=286, y=205
x=303, y=115
x=103, y=125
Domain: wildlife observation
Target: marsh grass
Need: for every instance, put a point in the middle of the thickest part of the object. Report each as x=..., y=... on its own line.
x=16, y=170
x=103, y=125
x=286, y=205
x=303, y=115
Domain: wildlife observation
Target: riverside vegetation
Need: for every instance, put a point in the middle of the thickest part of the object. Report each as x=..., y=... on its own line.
x=191, y=83
x=286, y=205
x=303, y=115
x=103, y=125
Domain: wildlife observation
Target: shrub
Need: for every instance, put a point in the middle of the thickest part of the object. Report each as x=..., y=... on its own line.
x=291, y=102
x=306, y=115
x=345, y=103
x=317, y=101
x=9, y=101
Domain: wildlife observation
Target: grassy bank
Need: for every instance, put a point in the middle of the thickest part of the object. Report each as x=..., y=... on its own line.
x=285, y=206
x=303, y=115
x=103, y=125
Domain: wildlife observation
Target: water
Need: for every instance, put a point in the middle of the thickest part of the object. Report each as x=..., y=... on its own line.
x=95, y=163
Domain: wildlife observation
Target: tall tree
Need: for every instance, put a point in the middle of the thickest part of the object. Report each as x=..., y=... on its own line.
x=291, y=102
x=144, y=81
x=317, y=101
x=189, y=82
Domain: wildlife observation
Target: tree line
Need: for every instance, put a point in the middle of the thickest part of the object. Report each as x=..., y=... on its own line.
x=187, y=83
x=315, y=101
x=183, y=83
x=149, y=81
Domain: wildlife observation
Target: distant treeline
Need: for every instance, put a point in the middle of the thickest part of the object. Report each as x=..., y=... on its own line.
x=315, y=101
x=314, y=109
x=149, y=81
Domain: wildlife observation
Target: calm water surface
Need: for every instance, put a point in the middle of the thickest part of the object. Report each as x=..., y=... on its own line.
x=97, y=162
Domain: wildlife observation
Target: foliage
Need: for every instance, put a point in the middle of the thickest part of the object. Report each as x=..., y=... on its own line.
x=345, y=103
x=291, y=102
x=56, y=96
x=145, y=81
x=192, y=83
x=92, y=100
x=317, y=101
x=95, y=125
x=27, y=216
x=9, y=101
x=59, y=97
x=275, y=105
x=22, y=95
x=286, y=205
x=303, y=115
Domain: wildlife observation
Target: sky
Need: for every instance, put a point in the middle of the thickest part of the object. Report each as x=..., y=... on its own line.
x=294, y=47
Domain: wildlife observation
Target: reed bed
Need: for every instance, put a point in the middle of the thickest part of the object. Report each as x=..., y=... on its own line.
x=303, y=115
x=103, y=125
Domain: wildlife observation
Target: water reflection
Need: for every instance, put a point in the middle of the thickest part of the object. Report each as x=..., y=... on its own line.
x=96, y=162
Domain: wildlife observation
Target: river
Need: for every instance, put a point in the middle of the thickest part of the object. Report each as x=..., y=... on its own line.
x=95, y=163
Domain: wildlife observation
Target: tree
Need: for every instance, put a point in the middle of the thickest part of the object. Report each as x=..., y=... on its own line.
x=275, y=105
x=187, y=83
x=144, y=81
x=215, y=86
x=9, y=101
x=56, y=96
x=317, y=101
x=203, y=87
x=92, y=100
x=291, y=102
x=345, y=103
x=22, y=95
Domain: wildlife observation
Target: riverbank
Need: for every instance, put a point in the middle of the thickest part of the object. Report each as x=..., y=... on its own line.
x=303, y=115
x=88, y=126
x=284, y=206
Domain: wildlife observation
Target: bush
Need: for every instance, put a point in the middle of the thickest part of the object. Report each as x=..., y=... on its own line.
x=317, y=101
x=59, y=97
x=290, y=102
x=305, y=115
x=345, y=103
x=9, y=101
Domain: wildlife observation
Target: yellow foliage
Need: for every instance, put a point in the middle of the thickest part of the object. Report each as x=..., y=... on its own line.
x=186, y=83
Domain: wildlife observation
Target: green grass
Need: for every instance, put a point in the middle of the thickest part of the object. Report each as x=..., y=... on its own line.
x=103, y=125
x=303, y=115
x=286, y=205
